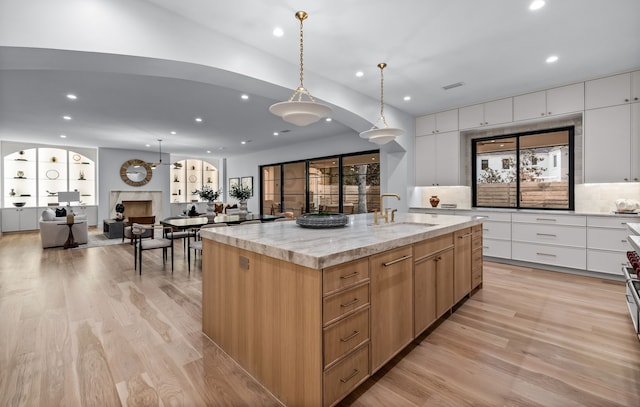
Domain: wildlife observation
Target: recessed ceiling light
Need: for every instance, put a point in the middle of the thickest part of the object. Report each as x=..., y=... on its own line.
x=198, y=119
x=359, y=74
x=173, y=132
x=147, y=145
x=275, y=133
x=66, y=117
x=63, y=136
x=552, y=59
x=328, y=119
x=71, y=96
x=407, y=98
x=208, y=151
x=536, y=4
x=244, y=97
x=278, y=32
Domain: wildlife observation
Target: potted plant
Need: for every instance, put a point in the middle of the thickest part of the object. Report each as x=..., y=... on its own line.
x=208, y=194
x=241, y=193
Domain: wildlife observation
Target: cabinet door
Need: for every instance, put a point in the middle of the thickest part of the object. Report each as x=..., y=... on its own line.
x=565, y=99
x=10, y=220
x=444, y=283
x=609, y=91
x=635, y=140
x=529, y=106
x=635, y=86
x=424, y=288
x=425, y=125
x=391, y=304
x=607, y=144
x=425, y=162
x=447, y=121
x=462, y=264
x=471, y=116
x=498, y=111
x=447, y=158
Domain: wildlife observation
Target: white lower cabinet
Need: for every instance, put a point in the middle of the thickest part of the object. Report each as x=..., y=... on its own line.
x=496, y=248
x=18, y=219
x=607, y=243
x=554, y=255
x=606, y=261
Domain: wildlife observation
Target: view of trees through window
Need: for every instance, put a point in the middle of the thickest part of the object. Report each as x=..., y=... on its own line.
x=527, y=170
x=343, y=183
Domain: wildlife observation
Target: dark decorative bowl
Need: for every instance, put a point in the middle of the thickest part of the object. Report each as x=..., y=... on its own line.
x=19, y=204
x=322, y=220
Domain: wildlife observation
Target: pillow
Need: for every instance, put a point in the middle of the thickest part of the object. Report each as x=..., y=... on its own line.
x=61, y=212
x=48, y=215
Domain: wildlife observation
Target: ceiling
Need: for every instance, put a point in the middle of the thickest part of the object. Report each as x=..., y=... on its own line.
x=497, y=48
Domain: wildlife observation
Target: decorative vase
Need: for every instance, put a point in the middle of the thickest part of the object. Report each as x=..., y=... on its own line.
x=242, y=208
x=211, y=208
x=12, y=193
x=434, y=200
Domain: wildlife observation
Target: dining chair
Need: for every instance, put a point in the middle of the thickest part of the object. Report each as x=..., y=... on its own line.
x=141, y=220
x=196, y=245
x=141, y=244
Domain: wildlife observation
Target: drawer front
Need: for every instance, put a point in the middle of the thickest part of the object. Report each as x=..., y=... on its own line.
x=611, y=221
x=345, y=376
x=562, y=256
x=476, y=277
x=549, y=219
x=492, y=216
x=605, y=261
x=344, y=302
x=428, y=247
x=550, y=234
x=345, y=275
x=608, y=239
x=476, y=241
x=496, y=230
x=496, y=248
x=345, y=335
x=476, y=229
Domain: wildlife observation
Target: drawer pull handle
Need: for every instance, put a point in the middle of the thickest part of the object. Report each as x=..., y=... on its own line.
x=624, y=241
x=351, y=376
x=546, y=219
x=355, y=273
x=485, y=230
x=350, y=337
x=350, y=303
x=485, y=247
x=546, y=234
x=463, y=236
x=546, y=254
x=403, y=258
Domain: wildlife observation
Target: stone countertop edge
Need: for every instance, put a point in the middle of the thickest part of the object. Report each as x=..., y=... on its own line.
x=321, y=248
x=513, y=210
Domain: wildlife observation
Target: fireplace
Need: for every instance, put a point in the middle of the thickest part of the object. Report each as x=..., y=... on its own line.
x=137, y=203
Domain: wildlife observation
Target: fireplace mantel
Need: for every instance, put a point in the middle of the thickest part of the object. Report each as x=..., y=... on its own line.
x=154, y=196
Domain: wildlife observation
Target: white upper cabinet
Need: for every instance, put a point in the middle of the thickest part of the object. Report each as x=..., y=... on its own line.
x=613, y=90
x=556, y=101
x=486, y=114
x=437, y=159
x=441, y=122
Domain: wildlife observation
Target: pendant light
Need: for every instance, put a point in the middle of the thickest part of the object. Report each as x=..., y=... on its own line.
x=385, y=134
x=295, y=110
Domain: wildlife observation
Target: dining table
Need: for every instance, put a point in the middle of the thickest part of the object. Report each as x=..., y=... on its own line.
x=184, y=223
x=237, y=219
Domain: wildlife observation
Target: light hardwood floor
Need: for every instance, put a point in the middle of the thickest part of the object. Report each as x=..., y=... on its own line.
x=80, y=327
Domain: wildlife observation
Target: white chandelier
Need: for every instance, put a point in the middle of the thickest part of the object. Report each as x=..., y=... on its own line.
x=381, y=135
x=296, y=110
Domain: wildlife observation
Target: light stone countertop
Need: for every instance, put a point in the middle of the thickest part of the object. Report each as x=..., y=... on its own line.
x=515, y=210
x=320, y=248
x=634, y=227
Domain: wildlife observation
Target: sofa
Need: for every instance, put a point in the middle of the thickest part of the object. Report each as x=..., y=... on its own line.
x=53, y=234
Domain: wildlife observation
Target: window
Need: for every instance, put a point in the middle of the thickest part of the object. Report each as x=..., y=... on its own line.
x=343, y=183
x=526, y=170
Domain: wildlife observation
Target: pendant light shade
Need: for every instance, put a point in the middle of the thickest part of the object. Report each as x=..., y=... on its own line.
x=296, y=110
x=385, y=134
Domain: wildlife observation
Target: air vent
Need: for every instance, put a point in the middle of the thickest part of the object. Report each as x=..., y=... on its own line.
x=453, y=85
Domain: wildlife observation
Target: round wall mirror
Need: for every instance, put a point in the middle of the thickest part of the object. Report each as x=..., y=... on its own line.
x=136, y=173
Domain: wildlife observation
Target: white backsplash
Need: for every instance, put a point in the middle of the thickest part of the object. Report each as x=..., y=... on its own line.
x=589, y=198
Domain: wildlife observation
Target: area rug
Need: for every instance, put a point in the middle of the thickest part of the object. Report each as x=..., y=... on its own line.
x=98, y=239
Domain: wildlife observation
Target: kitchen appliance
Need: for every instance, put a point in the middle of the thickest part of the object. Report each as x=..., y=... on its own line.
x=633, y=302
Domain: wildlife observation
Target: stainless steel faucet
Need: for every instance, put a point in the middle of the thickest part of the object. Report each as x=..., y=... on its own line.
x=386, y=211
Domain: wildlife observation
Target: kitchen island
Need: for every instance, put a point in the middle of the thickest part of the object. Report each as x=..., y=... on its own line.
x=312, y=313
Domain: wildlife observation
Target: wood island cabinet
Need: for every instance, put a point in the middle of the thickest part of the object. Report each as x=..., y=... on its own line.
x=311, y=336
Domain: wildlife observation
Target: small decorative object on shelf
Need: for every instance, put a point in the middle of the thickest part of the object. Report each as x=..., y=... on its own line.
x=209, y=180
x=119, y=211
x=54, y=159
x=177, y=166
x=12, y=192
x=81, y=175
x=175, y=178
x=434, y=201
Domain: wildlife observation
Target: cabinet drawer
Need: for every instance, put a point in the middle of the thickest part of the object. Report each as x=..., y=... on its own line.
x=605, y=261
x=428, y=247
x=476, y=258
x=345, y=376
x=345, y=335
x=549, y=219
x=549, y=234
x=562, y=256
x=497, y=230
x=496, y=248
x=493, y=216
x=611, y=221
x=608, y=239
x=476, y=241
x=344, y=275
x=344, y=302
